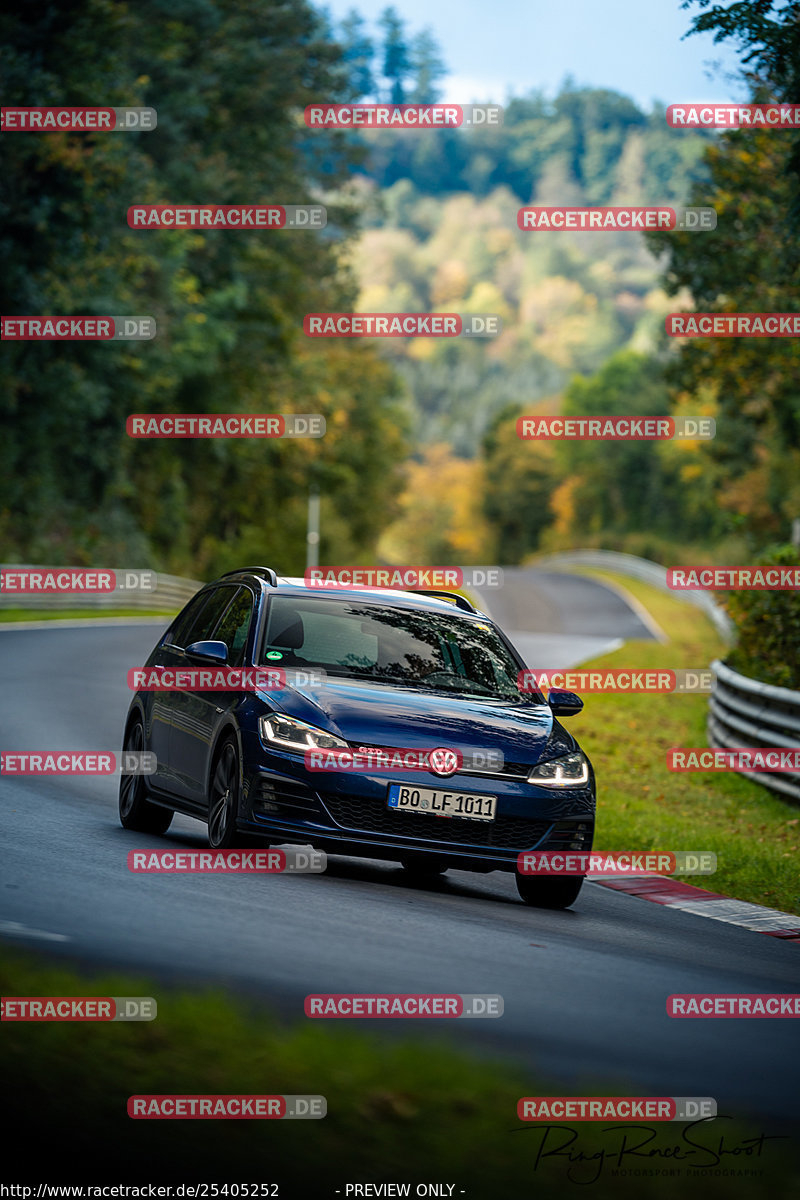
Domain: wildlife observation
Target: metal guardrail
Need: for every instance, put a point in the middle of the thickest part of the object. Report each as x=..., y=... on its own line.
x=170, y=593
x=746, y=712
x=648, y=572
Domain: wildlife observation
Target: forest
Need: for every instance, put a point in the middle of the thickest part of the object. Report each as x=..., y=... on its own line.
x=418, y=221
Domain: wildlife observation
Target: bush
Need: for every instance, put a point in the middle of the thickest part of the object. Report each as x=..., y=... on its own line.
x=767, y=627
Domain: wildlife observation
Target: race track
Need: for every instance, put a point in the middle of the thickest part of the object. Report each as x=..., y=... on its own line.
x=584, y=990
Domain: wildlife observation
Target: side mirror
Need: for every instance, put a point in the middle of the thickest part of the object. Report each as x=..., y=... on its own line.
x=216, y=652
x=564, y=704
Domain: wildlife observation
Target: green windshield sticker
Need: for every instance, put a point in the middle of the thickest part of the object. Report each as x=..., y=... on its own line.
x=274, y=654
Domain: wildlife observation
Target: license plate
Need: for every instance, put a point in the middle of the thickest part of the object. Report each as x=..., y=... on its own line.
x=437, y=802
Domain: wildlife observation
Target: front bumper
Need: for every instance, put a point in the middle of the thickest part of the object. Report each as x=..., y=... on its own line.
x=347, y=813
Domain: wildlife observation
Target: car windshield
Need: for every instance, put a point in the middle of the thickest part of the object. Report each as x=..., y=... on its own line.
x=405, y=647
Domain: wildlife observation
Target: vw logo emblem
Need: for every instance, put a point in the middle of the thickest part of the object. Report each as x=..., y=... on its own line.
x=444, y=761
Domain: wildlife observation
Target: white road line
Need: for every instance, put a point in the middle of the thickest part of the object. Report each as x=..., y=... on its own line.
x=739, y=912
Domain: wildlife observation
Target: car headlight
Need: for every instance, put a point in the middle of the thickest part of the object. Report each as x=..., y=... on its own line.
x=291, y=734
x=570, y=771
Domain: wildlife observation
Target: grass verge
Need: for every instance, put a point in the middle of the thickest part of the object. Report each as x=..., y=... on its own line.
x=397, y=1111
x=643, y=806
x=71, y=614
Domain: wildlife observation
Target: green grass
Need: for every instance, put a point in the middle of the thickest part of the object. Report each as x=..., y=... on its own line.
x=397, y=1110
x=642, y=805
x=58, y=614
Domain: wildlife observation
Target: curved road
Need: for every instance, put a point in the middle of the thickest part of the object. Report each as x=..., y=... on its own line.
x=584, y=990
x=558, y=620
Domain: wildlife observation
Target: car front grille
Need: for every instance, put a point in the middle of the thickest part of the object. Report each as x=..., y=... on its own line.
x=509, y=770
x=371, y=816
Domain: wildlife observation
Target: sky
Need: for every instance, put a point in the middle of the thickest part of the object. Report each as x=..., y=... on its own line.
x=496, y=47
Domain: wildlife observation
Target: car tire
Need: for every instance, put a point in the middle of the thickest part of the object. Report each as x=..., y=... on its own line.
x=135, y=810
x=223, y=797
x=424, y=864
x=541, y=892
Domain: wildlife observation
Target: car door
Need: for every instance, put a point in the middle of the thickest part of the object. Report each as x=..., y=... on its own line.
x=197, y=713
x=160, y=705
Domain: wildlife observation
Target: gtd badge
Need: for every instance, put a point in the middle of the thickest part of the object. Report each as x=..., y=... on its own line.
x=443, y=761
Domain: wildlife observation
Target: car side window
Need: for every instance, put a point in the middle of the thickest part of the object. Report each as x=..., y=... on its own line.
x=176, y=636
x=234, y=626
x=202, y=629
x=197, y=621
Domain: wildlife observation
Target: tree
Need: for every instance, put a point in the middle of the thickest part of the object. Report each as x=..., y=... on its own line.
x=440, y=519
x=428, y=68
x=229, y=304
x=751, y=263
x=358, y=52
x=622, y=484
x=520, y=478
x=768, y=33
x=396, y=54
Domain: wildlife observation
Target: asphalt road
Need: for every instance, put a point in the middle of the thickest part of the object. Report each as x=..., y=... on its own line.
x=558, y=620
x=584, y=990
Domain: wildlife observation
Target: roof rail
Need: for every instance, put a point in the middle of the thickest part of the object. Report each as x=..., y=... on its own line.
x=460, y=601
x=265, y=572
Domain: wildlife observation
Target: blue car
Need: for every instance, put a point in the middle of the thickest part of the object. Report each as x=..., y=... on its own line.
x=393, y=727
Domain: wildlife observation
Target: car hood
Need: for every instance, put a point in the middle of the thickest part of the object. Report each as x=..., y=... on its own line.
x=375, y=715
